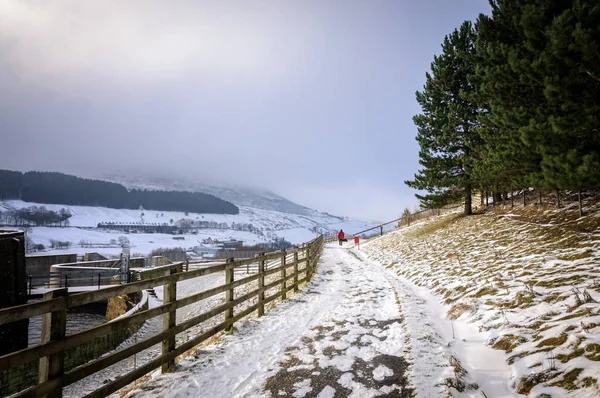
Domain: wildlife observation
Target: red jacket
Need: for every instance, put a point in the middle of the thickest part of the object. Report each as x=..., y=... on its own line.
x=340, y=235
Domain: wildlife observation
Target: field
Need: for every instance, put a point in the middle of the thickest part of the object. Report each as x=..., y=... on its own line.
x=268, y=226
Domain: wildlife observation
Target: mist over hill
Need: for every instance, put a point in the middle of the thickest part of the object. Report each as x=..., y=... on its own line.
x=240, y=196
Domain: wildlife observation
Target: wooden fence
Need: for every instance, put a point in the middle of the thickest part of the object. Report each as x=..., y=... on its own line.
x=291, y=268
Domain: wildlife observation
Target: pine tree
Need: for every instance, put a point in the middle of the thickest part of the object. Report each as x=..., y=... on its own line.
x=445, y=126
x=510, y=97
x=570, y=138
x=537, y=74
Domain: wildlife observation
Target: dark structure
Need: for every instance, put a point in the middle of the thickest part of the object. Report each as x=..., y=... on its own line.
x=13, y=289
x=139, y=227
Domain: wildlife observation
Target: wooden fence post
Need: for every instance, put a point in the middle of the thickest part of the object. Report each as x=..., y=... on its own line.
x=169, y=320
x=308, y=265
x=283, y=275
x=512, y=197
x=261, y=284
x=229, y=271
x=54, y=327
x=296, y=269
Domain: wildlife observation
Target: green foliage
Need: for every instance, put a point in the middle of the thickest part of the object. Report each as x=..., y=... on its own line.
x=532, y=82
x=58, y=188
x=445, y=126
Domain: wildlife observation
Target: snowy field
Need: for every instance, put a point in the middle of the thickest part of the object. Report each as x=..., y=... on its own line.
x=525, y=284
x=269, y=225
x=140, y=243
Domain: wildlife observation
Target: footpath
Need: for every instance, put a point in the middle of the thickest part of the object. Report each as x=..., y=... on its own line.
x=343, y=336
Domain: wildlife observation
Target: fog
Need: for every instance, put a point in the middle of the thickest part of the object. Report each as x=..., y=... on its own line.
x=312, y=100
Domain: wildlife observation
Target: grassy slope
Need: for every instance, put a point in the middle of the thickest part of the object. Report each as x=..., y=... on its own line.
x=530, y=275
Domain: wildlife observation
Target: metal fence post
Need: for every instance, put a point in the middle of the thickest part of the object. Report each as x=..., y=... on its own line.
x=261, y=284
x=296, y=269
x=169, y=320
x=229, y=271
x=283, y=275
x=54, y=327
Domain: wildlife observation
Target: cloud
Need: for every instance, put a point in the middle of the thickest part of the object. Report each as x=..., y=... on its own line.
x=310, y=99
x=72, y=42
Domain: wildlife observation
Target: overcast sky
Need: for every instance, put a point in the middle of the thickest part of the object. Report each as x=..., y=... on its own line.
x=310, y=99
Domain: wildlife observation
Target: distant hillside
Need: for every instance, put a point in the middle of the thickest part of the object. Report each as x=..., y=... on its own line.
x=58, y=188
x=258, y=199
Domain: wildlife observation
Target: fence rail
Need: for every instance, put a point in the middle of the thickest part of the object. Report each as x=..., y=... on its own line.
x=51, y=280
x=291, y=268
x=408, y=218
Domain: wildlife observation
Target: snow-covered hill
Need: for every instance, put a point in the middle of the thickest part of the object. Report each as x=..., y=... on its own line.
x=267, y=226
x=255, y=198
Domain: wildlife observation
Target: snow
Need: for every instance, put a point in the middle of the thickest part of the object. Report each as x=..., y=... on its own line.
x=153, y=326
x=518, y=283
x=88, y=216
x=381, y=372
x=328, y=328
x=141, y=243
x=327, y=392
x=269, y=225
x=377, y=320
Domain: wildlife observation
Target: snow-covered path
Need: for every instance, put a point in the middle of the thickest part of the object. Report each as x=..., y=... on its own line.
x=342, y=336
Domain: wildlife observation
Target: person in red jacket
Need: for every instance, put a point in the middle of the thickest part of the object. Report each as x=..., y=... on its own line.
x=341, y=236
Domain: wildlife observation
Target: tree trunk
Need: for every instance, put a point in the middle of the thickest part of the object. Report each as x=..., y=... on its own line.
x=512, y=196
x=487, y=198
x=524, y=197
x=481, y=198
x=557, y=199
x=468, y=200
x=580, y=203
x=497, y=197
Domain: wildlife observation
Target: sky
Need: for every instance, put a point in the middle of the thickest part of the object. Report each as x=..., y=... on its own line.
x=310, y=99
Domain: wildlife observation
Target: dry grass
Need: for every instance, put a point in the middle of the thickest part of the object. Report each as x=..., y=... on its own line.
x=513, y=270
x=568, y=380
x=458, y=309
x=592, y=352
x=508, y=342
x=553, y=341
x=438, y=224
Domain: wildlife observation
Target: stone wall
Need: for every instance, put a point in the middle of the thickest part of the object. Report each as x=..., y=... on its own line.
x=93, y=256
x=41, y=264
